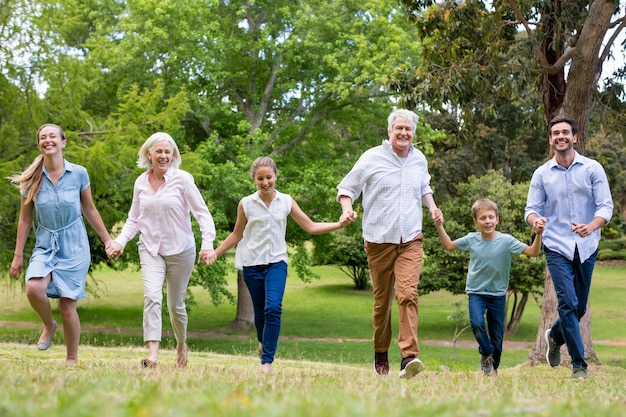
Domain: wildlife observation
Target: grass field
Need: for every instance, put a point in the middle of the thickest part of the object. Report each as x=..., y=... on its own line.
x=323, y=365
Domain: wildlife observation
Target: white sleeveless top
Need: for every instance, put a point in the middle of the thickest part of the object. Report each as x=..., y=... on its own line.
x=263, y=239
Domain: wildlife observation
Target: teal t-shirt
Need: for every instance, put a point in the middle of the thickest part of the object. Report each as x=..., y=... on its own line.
x=490, y=262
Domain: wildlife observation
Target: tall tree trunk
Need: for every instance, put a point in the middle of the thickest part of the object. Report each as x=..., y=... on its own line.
x=548, y=315
x=245, y=311
x=516, y=313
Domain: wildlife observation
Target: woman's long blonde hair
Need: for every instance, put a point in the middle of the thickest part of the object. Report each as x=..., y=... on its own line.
x=29, y=181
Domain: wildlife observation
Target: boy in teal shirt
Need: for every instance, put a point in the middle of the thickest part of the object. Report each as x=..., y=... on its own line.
x=488, y=276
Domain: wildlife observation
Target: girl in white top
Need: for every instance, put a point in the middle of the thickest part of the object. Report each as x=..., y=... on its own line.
x=259, y=234
x=163, y=199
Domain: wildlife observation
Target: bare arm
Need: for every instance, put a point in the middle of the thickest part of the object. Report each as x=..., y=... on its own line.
x=446, y=242
x=538, y=225
x=429, y=202
x=584, y=230
x=316, y=228
x=233, y=238
x=346, y=208
x=23, y=230
x=93, y=216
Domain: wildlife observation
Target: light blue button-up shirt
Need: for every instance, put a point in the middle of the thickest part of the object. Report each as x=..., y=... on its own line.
x=577, y=194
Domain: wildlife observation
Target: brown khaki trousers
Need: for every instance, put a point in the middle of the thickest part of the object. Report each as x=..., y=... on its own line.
x=395, y=270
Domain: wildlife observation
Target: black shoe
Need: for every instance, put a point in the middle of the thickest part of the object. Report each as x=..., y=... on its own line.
x=410, y=367
x=553, y=352
x=381, y=363
x=486, y=365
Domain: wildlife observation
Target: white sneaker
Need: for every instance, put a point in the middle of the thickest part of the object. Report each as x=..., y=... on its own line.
x=410, y=367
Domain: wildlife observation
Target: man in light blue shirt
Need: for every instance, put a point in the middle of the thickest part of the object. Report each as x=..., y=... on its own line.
x=394, y=181
x=573, y=193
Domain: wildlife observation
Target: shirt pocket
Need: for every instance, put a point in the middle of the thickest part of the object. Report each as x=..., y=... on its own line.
x=70, y=195
x=45, y=195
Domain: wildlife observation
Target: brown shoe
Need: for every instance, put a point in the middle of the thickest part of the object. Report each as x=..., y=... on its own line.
x=260, y=350
x=181, y=356
x=147, y=363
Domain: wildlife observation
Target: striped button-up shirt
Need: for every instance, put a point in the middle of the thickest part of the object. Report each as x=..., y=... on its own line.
x=392, y=189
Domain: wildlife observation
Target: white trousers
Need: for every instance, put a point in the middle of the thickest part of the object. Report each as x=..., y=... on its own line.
x=175, y=270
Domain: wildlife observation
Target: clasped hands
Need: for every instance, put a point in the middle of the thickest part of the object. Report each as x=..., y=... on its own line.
x=113, y=249
x=207, y=256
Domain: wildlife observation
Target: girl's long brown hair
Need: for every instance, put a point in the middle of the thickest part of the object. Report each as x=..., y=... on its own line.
x=29, y=181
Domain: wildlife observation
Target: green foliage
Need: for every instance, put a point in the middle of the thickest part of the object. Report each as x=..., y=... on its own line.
x=301, y=262
x=345, y=251
x=612, y=249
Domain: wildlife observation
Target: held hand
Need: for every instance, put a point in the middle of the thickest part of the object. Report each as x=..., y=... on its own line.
x=347, y=217
x=207, y=256
x=437, y=216
x=113, y=249
x=539, y=225
x=582, y=230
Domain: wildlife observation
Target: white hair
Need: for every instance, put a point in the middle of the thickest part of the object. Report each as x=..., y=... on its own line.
x=143, y=161
x=410, y=117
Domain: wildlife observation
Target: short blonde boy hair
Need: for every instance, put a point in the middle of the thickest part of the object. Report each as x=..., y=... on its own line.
x=484, y=204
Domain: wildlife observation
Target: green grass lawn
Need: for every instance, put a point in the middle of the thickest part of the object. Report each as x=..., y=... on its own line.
x=323, y=366
x=324, y=320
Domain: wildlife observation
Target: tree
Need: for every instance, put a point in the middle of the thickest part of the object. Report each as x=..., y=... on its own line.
x=302, y=81
x=483, y=49
x=345, y=251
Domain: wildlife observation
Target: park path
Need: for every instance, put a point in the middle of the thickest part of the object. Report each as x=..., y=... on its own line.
x=508, y=344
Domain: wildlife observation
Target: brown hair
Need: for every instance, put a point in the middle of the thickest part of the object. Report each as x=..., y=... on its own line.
x=263, y=161
x=29, y=181
x=563, y=118
x=483, y=204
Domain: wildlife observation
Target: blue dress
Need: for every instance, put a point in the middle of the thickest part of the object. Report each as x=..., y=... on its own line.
x=62, y=246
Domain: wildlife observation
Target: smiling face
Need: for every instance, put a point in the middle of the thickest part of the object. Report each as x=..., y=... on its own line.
x=486, y=220
x=264, y=178
x=562, y=139
x=50, y=140
x=161, y=156
x=401, y=136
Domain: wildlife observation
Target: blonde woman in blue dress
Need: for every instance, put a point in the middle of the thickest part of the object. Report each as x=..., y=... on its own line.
x=56, y=194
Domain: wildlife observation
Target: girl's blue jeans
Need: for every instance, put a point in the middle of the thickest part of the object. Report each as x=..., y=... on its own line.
x=490, y=333
x=572, y=282
x=266, y=284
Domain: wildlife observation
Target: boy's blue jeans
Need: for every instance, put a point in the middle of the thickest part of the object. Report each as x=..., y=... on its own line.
x=266, y=284
x=572, y=282
x=489, y=334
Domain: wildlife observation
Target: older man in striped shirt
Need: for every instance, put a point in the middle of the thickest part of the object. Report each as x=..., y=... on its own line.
x=394, y=180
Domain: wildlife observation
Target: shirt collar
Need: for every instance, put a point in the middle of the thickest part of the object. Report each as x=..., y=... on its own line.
x=67, y=166
x=387, y=145
x=578, y=159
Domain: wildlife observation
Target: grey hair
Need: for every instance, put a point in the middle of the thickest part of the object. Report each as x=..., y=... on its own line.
x=143, y=160
x=409, y=115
